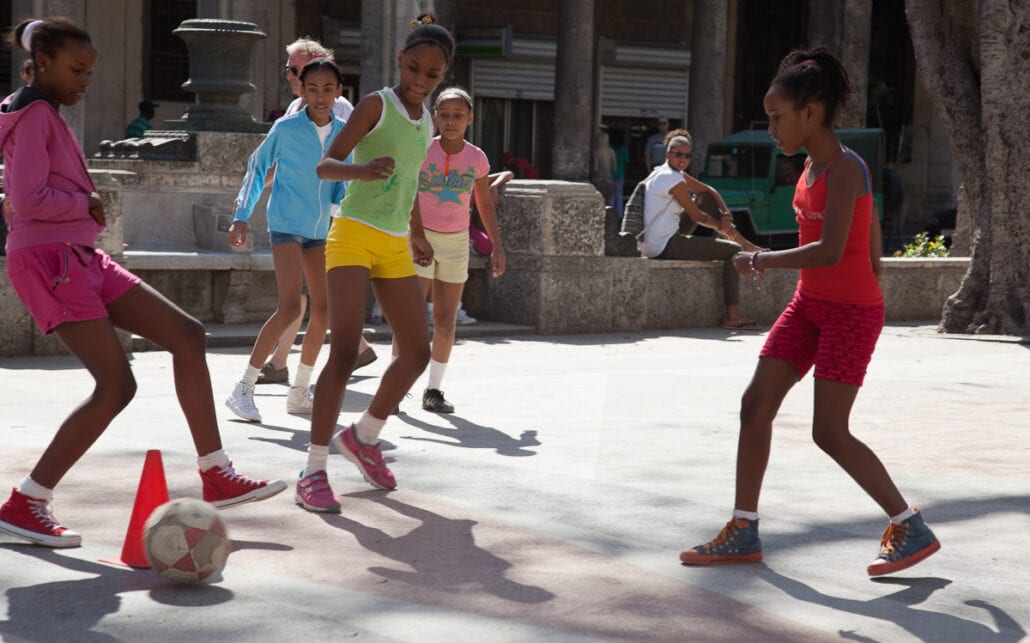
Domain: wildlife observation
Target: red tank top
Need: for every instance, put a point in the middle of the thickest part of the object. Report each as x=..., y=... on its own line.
x=851, y=280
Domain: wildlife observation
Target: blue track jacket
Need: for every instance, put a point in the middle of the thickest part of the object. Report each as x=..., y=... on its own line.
x=300, y=203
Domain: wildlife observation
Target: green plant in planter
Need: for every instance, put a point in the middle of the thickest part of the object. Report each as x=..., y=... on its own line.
x=923, y=245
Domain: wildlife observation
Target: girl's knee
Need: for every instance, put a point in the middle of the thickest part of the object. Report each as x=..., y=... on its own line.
x=340, y=363
x=116, y=390
x=754, y=409
x=830, y=441
x=415, y=359
x=289, y=308
x=191, y=338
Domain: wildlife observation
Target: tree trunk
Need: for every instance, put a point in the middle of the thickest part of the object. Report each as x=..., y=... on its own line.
x=974, y=56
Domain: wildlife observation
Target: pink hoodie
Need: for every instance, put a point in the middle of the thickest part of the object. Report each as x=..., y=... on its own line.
x=45, y=178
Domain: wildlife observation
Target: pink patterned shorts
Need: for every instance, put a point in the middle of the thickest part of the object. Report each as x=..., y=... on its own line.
x=838, y=339
x=63, y=282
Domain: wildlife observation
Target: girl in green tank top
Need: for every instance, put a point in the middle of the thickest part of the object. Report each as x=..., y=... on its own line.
x=388, y=132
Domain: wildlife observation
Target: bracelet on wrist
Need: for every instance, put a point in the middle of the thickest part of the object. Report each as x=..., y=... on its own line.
x=753, y=262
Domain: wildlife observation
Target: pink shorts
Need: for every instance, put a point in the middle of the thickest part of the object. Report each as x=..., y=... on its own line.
x=838, y=338
x=63, y=282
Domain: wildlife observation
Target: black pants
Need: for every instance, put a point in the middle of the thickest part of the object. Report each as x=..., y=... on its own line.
x=708, y=249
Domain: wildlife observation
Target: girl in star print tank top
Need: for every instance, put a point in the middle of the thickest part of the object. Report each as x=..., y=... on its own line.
x=832, y=323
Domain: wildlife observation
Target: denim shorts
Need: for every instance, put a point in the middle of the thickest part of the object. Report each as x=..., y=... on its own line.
x=279, y=238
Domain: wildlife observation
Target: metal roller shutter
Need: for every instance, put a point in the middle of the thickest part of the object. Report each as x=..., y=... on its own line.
x=626, y=91
x=500, y=78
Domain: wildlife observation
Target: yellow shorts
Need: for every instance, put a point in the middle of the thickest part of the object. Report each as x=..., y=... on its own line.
x=450, y=257
x=352, y=243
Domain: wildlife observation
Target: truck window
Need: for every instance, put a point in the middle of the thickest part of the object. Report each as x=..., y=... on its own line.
x=738, y=162
x=789, y=169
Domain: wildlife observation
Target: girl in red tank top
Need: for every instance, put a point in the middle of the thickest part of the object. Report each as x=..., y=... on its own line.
x=832, y=323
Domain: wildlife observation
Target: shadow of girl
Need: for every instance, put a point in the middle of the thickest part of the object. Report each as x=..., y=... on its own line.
x=439, y=554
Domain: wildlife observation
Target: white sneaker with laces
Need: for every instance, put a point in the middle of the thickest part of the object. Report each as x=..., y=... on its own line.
x=299, y=400
x=464, y=319
x=241, y=402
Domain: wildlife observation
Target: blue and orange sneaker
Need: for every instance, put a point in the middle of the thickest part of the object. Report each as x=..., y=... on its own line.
x=738, y=542
x=904, y=545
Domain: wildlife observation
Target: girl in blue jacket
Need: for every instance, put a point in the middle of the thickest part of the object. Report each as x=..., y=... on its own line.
x=299, y=210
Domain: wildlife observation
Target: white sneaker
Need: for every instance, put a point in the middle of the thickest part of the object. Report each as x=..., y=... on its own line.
x=299, y=400
x=241, y=402
x=464, y=319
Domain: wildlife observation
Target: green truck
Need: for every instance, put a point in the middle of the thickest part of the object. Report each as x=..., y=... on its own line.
x=757, y=180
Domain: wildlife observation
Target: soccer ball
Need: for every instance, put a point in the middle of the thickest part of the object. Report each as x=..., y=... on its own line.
x=186, y=540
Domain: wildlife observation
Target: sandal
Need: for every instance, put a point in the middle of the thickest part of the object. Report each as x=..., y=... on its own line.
x=743, y=324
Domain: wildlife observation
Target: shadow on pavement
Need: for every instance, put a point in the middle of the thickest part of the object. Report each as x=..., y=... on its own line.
x=441, y=551
x=298, y=439
x=45, y=612
x=470, y=435
x=897, y=608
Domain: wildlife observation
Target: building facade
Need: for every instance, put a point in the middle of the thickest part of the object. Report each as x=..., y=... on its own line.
x=545, y=74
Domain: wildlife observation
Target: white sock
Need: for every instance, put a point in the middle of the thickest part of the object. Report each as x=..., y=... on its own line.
x=33, y=489
x=250, y=375
x=318, y=458
x=368, y=428
x=303, y=376
x=750, y=515
x=436, y=371
x=214, y=459
x=903, y=516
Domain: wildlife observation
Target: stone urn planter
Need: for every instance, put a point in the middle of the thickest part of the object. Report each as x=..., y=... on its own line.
x=220, y=52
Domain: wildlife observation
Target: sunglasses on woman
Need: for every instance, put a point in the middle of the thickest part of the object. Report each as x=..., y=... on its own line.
x=293, y=70
x=680, y=155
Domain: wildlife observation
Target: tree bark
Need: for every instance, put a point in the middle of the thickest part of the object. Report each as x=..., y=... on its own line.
x=974, y=57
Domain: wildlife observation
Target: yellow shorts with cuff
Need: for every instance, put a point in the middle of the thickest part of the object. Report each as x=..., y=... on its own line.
x=352, y=243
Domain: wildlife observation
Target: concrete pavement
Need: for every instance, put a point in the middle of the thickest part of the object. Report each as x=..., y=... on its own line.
x=553, y=504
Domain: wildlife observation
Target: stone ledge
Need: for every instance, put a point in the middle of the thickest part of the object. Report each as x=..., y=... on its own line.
x=187, y=259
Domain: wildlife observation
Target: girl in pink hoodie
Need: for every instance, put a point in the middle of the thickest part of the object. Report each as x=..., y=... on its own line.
x=76, y=290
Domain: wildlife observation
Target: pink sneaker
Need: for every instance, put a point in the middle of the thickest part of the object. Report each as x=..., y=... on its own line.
x=225, y=488
x=315, y=494
x=30, y=518
x=368, y=458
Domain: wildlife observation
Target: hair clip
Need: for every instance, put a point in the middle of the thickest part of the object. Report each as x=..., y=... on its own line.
x=424, y=20
x=809, y=63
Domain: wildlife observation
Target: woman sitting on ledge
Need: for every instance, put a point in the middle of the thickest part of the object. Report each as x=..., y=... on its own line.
x=670, y=193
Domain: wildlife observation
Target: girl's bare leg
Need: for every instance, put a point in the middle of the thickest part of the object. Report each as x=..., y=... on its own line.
x=404, y=306
x=347, y=293
x=446, y=300
x=148, y=313
x=288, y=279
x=95, y=344
x=772, y=380
x=830, y=430
x=285, y=342
x=318, y=319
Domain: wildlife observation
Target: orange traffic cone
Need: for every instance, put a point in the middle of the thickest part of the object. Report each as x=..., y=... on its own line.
x=152, y=493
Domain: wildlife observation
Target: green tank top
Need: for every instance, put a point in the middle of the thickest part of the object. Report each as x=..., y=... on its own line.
x=386, y=204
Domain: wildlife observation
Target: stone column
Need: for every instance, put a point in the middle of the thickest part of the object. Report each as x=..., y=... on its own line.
x=708, y=87
x=574, y=96
x=844, y=27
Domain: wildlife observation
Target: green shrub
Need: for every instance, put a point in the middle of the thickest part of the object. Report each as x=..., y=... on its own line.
x=923, y=245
